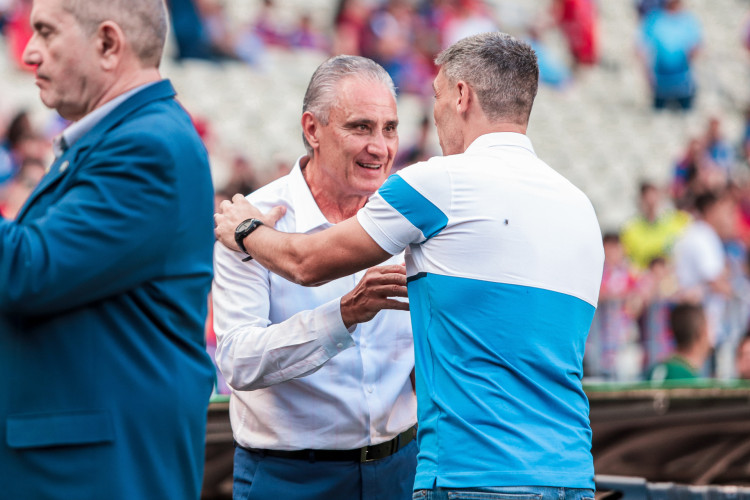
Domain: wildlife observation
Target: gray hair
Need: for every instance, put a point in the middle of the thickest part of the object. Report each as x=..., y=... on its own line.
x=144, y=23
x=321, y=93
x=501, y=69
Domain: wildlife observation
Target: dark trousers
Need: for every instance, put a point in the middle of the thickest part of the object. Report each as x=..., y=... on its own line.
x=258, y=477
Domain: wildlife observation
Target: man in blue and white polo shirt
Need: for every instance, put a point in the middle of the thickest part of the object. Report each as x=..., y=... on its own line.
x=504, y=258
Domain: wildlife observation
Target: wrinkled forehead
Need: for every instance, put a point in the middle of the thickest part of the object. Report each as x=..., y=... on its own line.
x=356, y=96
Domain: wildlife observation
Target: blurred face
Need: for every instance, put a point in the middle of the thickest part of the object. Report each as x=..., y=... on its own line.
x=446, y=116
x=721, y=216
x=650, y=202
x=357, y=147
x=65, y=60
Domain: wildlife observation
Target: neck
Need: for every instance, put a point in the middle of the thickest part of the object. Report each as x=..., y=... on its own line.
x=693, y=357
x=480, y=129
x=121, y=84
x=335, y=204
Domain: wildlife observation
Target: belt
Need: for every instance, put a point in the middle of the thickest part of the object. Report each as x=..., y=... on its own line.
x=361, y=455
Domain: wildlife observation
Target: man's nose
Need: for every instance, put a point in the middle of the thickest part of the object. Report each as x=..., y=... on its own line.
x=31, y=55
x=378, y=145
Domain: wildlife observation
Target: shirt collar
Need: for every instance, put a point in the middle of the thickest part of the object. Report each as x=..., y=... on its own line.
x=307, y=213
x=501, y=139
x=78, y=129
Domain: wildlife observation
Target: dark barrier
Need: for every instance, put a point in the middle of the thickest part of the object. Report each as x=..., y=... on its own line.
x=677, y=441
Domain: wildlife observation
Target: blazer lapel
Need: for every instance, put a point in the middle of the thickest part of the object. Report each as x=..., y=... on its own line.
x=68, y=161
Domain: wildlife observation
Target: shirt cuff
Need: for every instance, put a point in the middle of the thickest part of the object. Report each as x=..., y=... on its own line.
x=338, y=337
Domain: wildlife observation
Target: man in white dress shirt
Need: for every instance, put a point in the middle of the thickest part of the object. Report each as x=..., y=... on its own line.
x=322, y=404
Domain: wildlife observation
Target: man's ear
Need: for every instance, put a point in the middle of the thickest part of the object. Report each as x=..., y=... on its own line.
x=110, y=42
x=311, y=129
x=463, y=100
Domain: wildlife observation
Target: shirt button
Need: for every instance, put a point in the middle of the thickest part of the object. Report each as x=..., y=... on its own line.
x=340, y=345
x=370, y=388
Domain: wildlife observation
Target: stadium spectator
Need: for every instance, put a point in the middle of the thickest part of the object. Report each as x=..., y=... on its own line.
x=659, y=292
x=501, y=275
x=192, y=37
x=719, y=150
x=577, y=19
x=466, y=18
x=695, y=174
x=336, y=350
x=104, y=272
x=669, y=41
x=350, y=27
x=691, y=333
x=614, y=331
x=700, y=261
x=394, y=33
x=304, y=35
x=652, y=232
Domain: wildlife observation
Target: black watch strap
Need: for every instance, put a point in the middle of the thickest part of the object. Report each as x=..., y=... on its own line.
x=244, y=228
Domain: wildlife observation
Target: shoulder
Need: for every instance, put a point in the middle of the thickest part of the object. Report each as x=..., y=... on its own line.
x=273, y=194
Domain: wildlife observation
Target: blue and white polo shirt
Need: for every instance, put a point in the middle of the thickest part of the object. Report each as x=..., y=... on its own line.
x=504, y=258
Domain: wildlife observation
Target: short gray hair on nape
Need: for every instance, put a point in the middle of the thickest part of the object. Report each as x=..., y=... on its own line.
x=144, y=23
x=321, y=94
x=501, y=69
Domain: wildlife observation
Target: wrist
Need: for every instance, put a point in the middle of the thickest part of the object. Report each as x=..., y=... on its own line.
x=242, y=231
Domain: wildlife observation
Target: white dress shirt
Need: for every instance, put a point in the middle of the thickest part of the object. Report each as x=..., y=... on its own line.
x=299, y=378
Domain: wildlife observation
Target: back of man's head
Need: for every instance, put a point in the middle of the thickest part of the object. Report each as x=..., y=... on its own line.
x=688, y=323
x=501, y=69
x=144, y=23
x=321, y=94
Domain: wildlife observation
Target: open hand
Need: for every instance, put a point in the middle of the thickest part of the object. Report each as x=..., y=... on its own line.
x=373, y=293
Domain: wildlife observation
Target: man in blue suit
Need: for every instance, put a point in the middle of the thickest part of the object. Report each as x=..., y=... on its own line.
x=105, y=272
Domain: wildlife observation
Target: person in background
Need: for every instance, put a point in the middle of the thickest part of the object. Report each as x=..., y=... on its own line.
x=614, y=330
x=652, y=233
x=105, y=272
x=700, y=260
x=692, y=345
x=322, y=402
x=669, y=42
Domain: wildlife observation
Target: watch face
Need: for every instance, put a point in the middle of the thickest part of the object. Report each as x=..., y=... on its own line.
x=243, y=226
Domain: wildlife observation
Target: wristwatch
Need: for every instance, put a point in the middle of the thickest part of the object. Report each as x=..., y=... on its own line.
x=245, y=227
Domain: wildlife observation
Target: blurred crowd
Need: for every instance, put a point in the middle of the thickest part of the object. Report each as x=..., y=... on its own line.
x=688, y=245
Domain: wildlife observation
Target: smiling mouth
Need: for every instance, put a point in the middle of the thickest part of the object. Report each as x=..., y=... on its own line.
x=370, y=166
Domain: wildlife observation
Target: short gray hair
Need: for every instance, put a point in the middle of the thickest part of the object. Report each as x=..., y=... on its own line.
x=144, y=22
x=501, y=69
x=321, y=93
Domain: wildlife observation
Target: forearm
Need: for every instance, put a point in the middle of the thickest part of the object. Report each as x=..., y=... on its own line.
x=314, y=259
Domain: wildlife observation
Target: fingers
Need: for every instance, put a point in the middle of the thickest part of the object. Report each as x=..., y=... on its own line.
x=273, y=216
x=395, y=305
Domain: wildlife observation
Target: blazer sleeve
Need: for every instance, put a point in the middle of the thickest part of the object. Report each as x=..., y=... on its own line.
x=107, y=233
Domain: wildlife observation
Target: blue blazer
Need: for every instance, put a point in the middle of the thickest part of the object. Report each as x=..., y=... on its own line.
x=103, y=285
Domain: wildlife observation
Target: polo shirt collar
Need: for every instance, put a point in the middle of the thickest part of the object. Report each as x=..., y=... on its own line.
x=307, y=213
x=501, y=139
